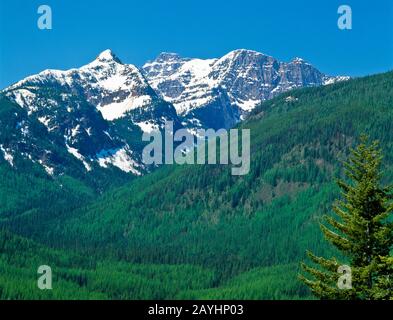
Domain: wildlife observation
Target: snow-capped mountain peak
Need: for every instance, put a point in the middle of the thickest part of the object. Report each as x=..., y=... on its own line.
x=80, y=107
x=246, y=77
x=107, y=56
x=112, y=87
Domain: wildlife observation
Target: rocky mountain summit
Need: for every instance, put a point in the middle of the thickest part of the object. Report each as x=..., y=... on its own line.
x=93, y=112
x=234, y=83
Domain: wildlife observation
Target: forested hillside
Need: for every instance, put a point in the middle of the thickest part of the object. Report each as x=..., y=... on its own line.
x=240, y=236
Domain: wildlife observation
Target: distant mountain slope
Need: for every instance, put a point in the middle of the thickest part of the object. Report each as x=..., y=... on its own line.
x=233, y=84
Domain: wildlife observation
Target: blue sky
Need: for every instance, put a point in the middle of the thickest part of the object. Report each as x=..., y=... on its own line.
x=139, y=30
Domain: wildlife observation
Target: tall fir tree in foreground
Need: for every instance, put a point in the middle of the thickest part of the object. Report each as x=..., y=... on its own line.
x=363, y=232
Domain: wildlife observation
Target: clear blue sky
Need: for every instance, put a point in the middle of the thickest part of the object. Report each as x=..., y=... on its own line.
x=139, y=30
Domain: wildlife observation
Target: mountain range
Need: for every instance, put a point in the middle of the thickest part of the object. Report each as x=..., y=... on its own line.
x=91, y=118
x=220, y=92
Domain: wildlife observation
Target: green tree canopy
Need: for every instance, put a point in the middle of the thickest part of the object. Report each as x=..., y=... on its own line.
x=362, y=231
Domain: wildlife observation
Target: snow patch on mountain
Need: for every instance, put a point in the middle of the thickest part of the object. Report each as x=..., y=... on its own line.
x=119, y=158
x=7, y=155
x=116, y=110
x=49, y=170
x=25, y=99
x=77, y=155
x=331, y=80
x=147, y=126
x=45, y=121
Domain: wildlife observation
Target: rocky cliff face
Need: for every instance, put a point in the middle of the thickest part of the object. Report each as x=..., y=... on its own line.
x=245, y=77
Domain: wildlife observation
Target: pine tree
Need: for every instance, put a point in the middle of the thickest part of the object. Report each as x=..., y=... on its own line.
x=383, y=288
x=362, y=232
